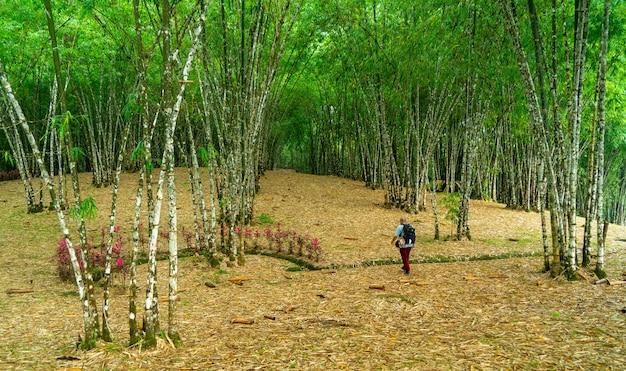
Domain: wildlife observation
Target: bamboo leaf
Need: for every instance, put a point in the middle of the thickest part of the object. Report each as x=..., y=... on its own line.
x=131, y=107
x=76, y=152
x=138, y=152
x=87, y=210
x=204, y=155
x=8, y=158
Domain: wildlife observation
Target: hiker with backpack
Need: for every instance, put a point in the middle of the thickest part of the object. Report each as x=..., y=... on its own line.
x=404, y=239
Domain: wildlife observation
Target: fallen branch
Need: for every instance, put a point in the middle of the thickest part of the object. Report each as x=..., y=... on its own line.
x=413, y=282
x=19, y=291
x=290, y=308
x=243, y=321
x=238, y=280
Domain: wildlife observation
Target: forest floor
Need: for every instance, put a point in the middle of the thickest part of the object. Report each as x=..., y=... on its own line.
x=359, y=314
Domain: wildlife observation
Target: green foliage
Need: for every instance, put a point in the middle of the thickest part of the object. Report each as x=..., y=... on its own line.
x=206, y=154
x=8, y=158
x=76, y=152
x=265, y=219
x=350, y=55
x=139, y=154
x=131, y=107
x=61, y=123
x=452, y=202
x=87, y=210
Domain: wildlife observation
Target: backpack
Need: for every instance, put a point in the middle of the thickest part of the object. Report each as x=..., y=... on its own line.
x=408, y=234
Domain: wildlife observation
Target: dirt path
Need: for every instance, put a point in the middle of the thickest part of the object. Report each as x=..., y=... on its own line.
x=481, y=315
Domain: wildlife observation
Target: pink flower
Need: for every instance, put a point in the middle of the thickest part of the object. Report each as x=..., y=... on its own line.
x=256, y=233
x=247, y=232
x=117, y=249
x=278, y=226
x=315, y=243
x=267, y=233
x=120, y=263
x=238, y=229
x=116, y=229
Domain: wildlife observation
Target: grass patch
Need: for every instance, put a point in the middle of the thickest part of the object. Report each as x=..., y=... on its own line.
x=265, y=219
x=303, y=264
x=441, y=259
x=216, y=277
x=401, y=298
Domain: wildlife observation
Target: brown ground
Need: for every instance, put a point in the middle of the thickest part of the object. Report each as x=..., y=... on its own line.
x=480, y=315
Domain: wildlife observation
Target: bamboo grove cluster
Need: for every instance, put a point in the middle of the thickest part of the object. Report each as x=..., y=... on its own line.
x=512, y=101
x=195, y=92
x=491, y=100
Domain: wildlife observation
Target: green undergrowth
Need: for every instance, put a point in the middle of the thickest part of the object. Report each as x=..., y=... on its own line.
x=297, y=261
x=391, y=261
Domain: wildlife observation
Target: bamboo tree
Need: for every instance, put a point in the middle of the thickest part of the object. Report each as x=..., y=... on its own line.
x=575, y=116
x=64, y=129
x=236, y=105
x=197, y=192
x=20, y=160
x=84, y=286
x=562, y=184
x=172, y=111
x=602, y=224
x=130, y=109
x=151, y=314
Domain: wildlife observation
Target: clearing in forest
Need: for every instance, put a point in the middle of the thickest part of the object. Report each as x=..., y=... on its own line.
x=359, y=313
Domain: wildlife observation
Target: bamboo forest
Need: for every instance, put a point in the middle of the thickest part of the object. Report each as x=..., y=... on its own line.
x=213, y=184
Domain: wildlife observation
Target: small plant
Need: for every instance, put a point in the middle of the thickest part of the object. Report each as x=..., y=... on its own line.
x=256, y=239
x=452, y=202
x=64, y=264
x=288, y=242
x=188, y=237
x=265, y=219
x=315, y=249
x=269, y=236
x=96, y=256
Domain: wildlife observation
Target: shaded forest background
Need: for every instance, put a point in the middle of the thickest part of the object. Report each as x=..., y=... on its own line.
x=358, y=84
x=518, y=102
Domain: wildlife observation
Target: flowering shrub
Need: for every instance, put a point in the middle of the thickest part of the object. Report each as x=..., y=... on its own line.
x=64, y=264
x=96, y=255
x=301, y=245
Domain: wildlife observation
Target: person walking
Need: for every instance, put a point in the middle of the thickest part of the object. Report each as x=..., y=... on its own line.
x=404, y=239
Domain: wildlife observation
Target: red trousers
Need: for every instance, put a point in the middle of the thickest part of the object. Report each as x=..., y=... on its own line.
x=404, y=253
